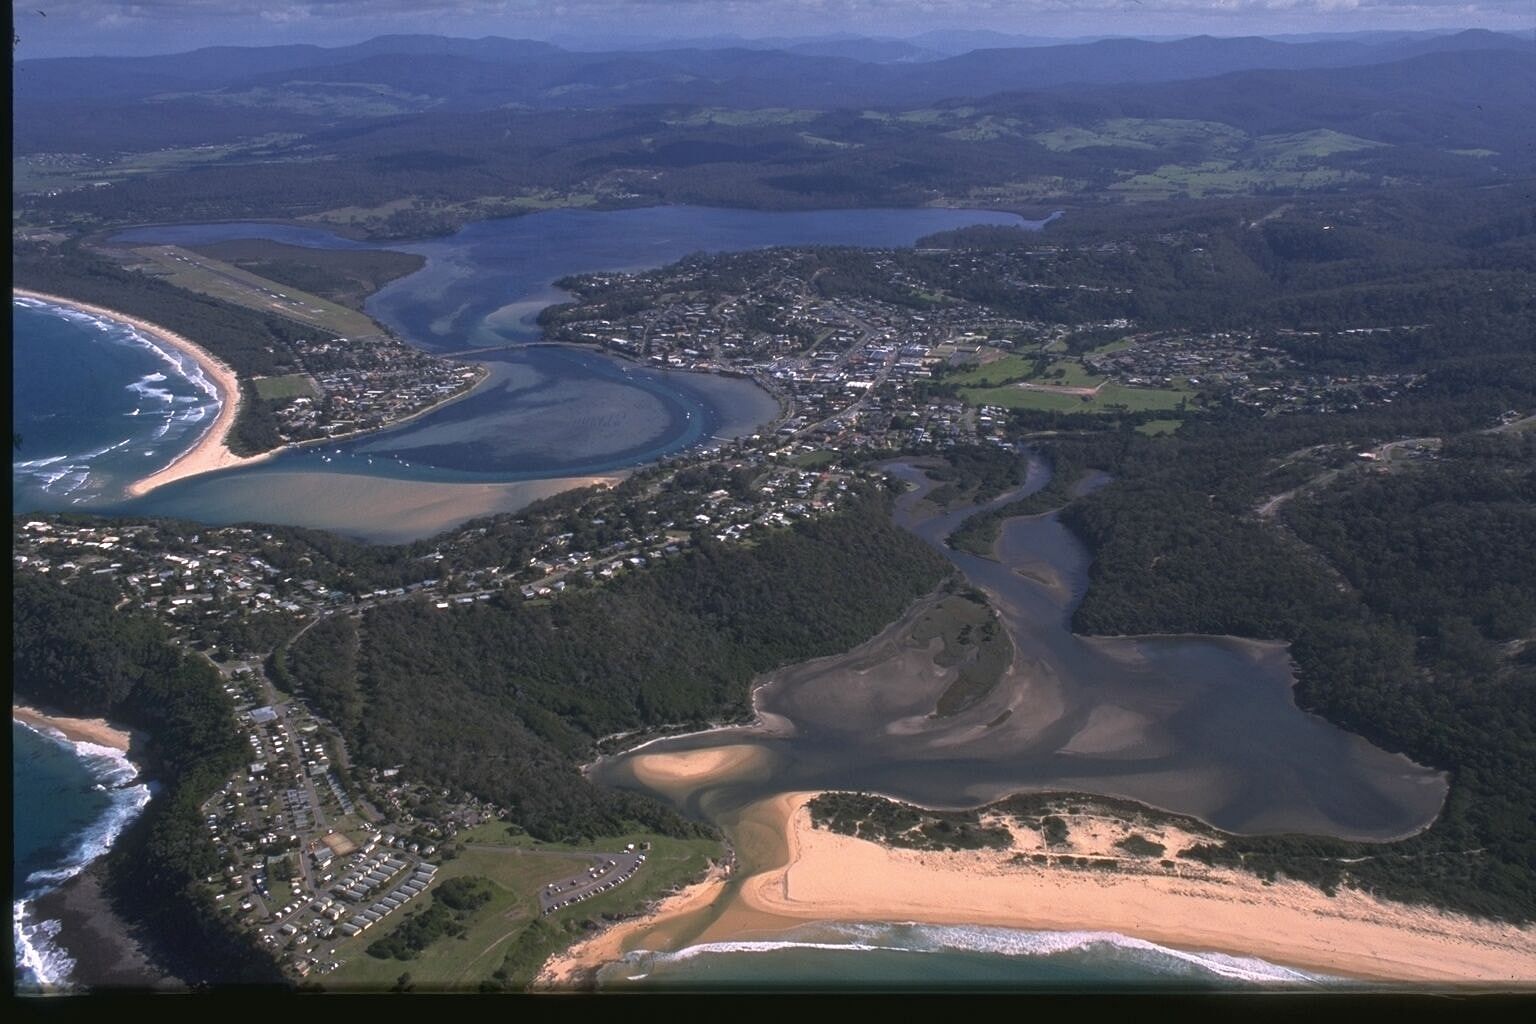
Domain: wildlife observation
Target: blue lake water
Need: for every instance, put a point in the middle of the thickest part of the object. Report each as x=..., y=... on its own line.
x=545, y=412
x=487, y=283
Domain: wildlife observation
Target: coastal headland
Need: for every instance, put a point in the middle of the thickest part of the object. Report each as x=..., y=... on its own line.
x=211, y=452
x=820, y=875
x=104, y=949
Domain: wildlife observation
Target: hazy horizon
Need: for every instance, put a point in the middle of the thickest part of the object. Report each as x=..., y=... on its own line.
x=107, y=28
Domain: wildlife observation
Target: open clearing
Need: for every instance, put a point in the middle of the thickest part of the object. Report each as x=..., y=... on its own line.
x=1109, y=397
x=293, y=385
x=208, y=276
x=517, y=867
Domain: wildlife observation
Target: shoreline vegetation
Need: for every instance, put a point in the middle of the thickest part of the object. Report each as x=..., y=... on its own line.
x=821, y=875
x=211, y=451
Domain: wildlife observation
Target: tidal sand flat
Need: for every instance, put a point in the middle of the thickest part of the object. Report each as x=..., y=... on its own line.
x=546, y=412
x=378, y=509
x=1153, y=723
x=679, y=772
x=1202, y=726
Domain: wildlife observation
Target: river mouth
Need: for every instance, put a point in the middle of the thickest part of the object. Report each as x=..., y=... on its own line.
x=1201, y=726
x=545, y=413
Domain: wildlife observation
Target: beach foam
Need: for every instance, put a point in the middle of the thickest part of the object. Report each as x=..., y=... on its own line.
x=1118, y=956
x=42, y=963
x=1011, y=942
x=116, y=774
x=170, y=418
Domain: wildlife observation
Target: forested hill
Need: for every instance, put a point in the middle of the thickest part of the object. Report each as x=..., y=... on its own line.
x=407, y=146
x=420, y=72
x=503, y=699
x=73, y=649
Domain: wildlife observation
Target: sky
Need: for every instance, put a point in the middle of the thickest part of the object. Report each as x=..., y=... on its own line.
x=49, y=28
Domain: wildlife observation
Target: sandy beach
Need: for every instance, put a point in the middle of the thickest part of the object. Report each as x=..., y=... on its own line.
x=575, y=967
x=825, y=876
x=1188, y=906
x=79, y=730
x=210, y=453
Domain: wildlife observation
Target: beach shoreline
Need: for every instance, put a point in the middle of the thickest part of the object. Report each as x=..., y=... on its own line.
x=1182, y=905
x=576, y=967
x=106, y=950
x=77, y=730
x=65, y=909
x=1190, y=907
x=210, y=452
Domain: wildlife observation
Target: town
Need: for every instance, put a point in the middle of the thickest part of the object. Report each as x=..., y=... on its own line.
x=317, y=851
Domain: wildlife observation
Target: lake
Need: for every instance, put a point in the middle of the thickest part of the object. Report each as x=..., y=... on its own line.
x=546, y=413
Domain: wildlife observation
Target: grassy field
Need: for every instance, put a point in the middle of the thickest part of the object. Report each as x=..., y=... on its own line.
x=325, y=99
x=812, y=460
x=1001, y=371
x=1226, y=177
x=208, y=276
x=746, y=118
x=373, y=218
x=509, y=927
x=1157, y=428
x=1114, y=346
x=344, y=276
x=1139, y=133
x=1069, y=373
x=293, y=385
x=1022, y=190
x=1299, y=147
x=41, y=171
x=1111, y=397
x=1063, y=372
x=817, y=140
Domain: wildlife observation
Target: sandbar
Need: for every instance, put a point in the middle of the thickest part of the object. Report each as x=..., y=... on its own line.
x=685, y=770
x=376, y=509
x=210, y=452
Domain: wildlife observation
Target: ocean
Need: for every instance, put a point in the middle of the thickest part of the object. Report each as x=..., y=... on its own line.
x=96, y=405
x=69, y=802
x=834, y=956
